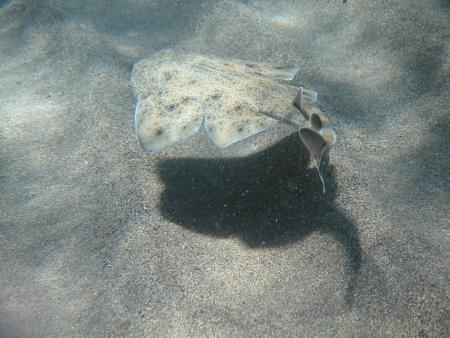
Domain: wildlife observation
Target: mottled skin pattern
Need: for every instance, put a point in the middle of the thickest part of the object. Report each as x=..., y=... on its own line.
x=233, y=100
x=178, y=93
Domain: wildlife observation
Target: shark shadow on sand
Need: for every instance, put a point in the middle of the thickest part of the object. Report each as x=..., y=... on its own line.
x=271, y=198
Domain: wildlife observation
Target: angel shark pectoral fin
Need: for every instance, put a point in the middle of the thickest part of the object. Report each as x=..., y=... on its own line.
x=224, y=131
x=318, y=147
x=156, y=129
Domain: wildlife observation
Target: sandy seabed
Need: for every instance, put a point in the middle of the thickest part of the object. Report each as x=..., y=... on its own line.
x=99, y=239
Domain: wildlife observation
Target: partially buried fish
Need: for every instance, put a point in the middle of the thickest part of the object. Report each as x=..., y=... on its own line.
x=179, y=93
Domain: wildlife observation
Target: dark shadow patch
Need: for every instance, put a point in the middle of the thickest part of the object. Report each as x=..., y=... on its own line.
x=425, y=66
x=270, y=199
x=4, y=3
x=427, y=168
x=348, y=102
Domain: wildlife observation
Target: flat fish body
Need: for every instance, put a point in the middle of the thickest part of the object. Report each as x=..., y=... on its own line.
x=179, y=93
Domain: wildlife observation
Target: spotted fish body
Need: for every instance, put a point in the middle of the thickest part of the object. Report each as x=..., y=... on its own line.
x=178, y=94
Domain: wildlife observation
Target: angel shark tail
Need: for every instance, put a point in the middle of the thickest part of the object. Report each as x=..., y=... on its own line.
x=318, y=137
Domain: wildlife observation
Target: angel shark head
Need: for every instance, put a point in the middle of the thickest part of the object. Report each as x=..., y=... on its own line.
x=180, y=93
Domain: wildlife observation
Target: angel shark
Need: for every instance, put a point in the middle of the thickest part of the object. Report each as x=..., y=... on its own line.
x=177, y=94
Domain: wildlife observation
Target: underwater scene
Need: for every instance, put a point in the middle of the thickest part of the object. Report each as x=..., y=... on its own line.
x=224, y=168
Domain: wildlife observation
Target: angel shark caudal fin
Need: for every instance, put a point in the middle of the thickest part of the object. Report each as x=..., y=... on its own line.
x=318, y=136
x=177, y=94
